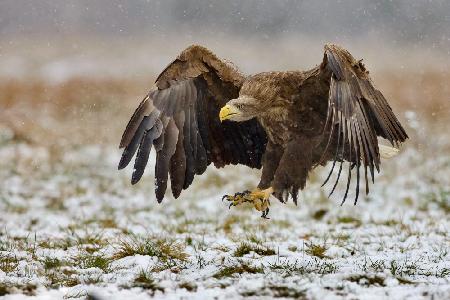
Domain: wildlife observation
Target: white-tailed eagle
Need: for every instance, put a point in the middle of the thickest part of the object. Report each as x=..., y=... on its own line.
x=202, y=110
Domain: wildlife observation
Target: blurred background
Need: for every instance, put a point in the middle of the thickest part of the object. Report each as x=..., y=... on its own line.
x=72, y=72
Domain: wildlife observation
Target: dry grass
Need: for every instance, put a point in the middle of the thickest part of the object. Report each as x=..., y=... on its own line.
x=242, y=267
x=245, y=248
x=316, y=250
x=80, y=110
x=164, y=249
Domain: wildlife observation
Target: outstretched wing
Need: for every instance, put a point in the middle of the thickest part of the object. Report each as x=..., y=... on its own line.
x=180, y=118
x=357, y=114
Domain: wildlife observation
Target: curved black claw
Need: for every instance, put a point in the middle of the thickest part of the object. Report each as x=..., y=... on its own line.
x=239, y=196
x=236, y=199
x=265, y=213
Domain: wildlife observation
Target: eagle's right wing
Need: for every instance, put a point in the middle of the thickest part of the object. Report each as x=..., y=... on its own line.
x=180, y=118
x=357, y=114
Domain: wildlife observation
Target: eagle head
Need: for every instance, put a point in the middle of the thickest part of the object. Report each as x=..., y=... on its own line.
x=240, y=109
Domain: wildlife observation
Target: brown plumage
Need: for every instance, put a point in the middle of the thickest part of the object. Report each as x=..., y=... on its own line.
x=285, y=122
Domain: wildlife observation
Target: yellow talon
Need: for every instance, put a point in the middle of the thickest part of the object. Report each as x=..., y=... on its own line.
x=237, y=199
x=259, y=198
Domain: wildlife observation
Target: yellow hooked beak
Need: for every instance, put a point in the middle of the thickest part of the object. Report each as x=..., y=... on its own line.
x=227, y=111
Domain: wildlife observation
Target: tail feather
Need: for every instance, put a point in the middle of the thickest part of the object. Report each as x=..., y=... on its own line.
x=387, y=152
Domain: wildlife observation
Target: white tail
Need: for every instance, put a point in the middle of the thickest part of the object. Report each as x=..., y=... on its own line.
x=387, y=152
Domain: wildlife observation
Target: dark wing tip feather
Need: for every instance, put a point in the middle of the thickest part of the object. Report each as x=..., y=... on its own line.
x=141, y=158
x=163, y=157
x=134, y=122
x=145, y=124
x=144, y=151
x=123, y=160
x=132, y=146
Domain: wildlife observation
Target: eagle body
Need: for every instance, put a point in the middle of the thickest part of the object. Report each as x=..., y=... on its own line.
x=294, y=118
x=202, y=110
x=297, y=103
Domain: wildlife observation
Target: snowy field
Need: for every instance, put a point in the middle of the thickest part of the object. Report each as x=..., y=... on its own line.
x=76, y=227
x=72, y=226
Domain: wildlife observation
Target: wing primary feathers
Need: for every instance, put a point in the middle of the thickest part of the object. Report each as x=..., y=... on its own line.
x=134, y=122
x=349, y=178
x=177, y=168
x=331, y=115
x=202, y=134
x=158, y=143
x=189, y=176
x=202, y=120
x=357, y=181
x=369, y=140
x=400, y=134
x=144, y=151
x=350, y=139
x=367, y=181
x=146, y=123
x=294, y=194
x=194, y=132
x=334, y=113
x=337, y=179
x=335, y=155
x=193, y=120
x=329, y=111
x=163, y=157
x=383, y=122
x=366, y=140
x=201, y=160
x=344, y=140
x=358, y=161
x=200, y=155
x=142, y=157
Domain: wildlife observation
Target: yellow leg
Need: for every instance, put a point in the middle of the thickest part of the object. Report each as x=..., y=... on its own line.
x=259, y=198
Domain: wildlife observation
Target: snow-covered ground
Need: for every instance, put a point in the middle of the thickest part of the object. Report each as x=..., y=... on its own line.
x=72, y=226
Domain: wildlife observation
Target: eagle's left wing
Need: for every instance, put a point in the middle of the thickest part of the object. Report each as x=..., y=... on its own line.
x=357, y=114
